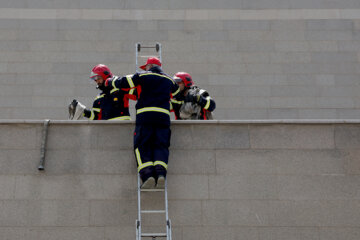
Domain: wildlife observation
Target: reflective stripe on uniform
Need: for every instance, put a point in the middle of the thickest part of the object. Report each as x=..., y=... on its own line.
x=100, y=96
x=131, y=92
x=114, y=87
x=140, y=164
x=130, y=81
x=161, y=163
x=147, y=164
x=92, y=116
x=152, y=109
x=131, y=84
x=156, y=74
x=113, y=83
x=138, y=158
x=121, y=118
x=96, y=109
x=176, y=101
x=176, y=92
x=207, y=103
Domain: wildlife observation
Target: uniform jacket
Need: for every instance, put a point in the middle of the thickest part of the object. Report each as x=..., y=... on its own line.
x=111, y=104
x=155, y=89
x=189, y=110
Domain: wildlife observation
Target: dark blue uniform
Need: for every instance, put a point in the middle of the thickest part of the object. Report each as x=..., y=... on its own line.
x=203, y=100
x=111, y=104
x=152, y=132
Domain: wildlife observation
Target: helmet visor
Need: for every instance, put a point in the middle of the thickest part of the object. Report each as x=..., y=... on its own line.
x=96, y=77
x=177, y=80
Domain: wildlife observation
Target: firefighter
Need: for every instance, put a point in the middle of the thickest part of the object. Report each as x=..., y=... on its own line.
x=152, y=131
x=111, y=104
x=192, y=102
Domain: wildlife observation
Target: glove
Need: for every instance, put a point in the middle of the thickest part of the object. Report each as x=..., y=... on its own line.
x=76, y=110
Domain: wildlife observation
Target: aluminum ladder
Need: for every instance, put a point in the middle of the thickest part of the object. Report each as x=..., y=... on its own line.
x=139, y=234
x=139, y=49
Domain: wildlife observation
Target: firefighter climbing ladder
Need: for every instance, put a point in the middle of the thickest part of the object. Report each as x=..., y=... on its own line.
x=139, y=233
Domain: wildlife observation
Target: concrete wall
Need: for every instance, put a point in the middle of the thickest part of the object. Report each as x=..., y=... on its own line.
x=227, y=180
x=259, y=59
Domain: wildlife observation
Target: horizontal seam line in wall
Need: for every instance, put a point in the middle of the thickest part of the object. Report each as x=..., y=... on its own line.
x=170, y=14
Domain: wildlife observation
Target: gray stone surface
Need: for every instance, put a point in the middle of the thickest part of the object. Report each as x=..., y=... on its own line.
x=237, y=181
x=243, y=187
x=327, y=187
x=116, y=233
x=111, y=212
x=251, y=179
x=260, y=63
x=282, y=233
x=192, y=187
x=56, y=233
x=283, y=162
x=281, y=113
x=192, y=162
x=292, y=137
x=160, y=4
x=347, y=137
x=339, y=233
x=220, y=232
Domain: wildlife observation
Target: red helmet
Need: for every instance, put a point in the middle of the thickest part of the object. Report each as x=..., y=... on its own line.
x=102, y=71
x=151, y=60
x=185, y=78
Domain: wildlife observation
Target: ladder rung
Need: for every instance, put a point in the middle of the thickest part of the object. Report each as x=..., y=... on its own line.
x=153, y=211
x=153, y=234
x=152, y=190
x=148, y=47
x=144, y=56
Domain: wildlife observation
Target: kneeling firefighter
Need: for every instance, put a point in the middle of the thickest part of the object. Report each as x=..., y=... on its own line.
x=111, y=104
x=192, y=102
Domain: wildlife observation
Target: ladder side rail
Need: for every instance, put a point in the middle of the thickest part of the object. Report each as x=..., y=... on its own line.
x=136, y=56
x=139, y=234
x=160, y=55
x=166, y=202
x=168, y=226
x=139, y=207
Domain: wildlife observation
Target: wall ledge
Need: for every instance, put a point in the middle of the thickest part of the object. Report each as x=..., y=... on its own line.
x=192, y=122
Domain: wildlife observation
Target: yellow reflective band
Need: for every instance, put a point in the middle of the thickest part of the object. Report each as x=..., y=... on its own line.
x=100, y=96
x=171, y=106
x=131, y=92
x=92, y=116
x=114, y=90
x=156, y=74
x=176, y=101
x=152, y=109
x=207, y=103
x=130, y=81
x=121, y=118
x=114, y=87
x=176, y=92
x=138, y=158
x=96, y=109
x=160, y=163
x=145, y=165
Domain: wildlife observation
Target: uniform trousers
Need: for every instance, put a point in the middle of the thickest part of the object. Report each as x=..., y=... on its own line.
x=151, y=146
